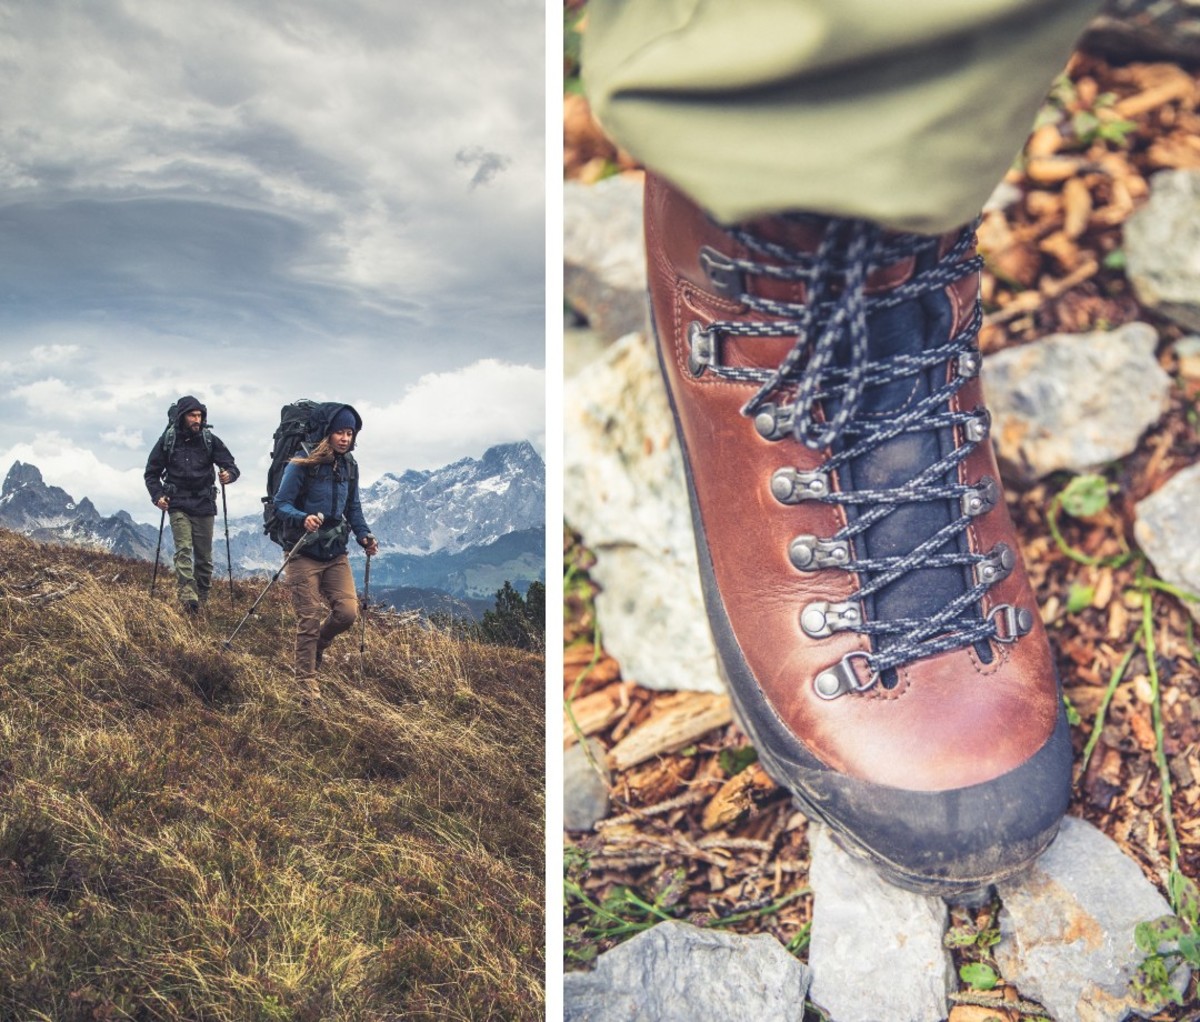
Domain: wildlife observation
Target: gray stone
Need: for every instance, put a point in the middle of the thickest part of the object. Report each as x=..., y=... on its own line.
x=1146, y=30
x=1165, y=529
x=624, y=491
x=1074, y=401
x=676, y=972
x=1066, y=928
x=604, y=260
x=1162, y=247
x=876, y=951
x=586, y=782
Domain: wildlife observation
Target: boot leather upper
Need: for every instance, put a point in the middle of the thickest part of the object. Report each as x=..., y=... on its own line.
x=951, y=720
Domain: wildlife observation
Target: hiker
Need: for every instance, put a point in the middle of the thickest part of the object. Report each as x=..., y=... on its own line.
x=179, y=478
x=323, y=481
x=813, y=175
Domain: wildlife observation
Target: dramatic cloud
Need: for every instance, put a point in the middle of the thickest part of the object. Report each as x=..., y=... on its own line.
x=251, y=203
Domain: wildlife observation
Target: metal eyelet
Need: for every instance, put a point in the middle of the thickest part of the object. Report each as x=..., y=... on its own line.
x=791, y=486
x=773, y=422
x=968, y=365
x=820, y=619
x=978, y=426
x=722, y=273
x=981, y=498
x=810, y=553
x=997, y=565
x=702, y=349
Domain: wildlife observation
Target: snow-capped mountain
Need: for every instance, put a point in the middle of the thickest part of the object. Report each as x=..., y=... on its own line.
x=470, y=503
x=465, y=528
x=50, y=514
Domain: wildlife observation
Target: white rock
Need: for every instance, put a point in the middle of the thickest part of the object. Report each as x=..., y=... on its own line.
x=876, y=951
x=1074, y=401
x=1162, y=247
x=1067, y=927
x=586, y=780
x=1166, y=530
x=624, y=490
x=676, y=972
x=604, y=257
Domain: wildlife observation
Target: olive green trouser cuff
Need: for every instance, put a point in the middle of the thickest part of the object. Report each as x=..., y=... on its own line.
x=193, y=536
x=907, y=114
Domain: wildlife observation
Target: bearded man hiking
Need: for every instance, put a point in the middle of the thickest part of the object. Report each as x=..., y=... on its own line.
x=179, y=478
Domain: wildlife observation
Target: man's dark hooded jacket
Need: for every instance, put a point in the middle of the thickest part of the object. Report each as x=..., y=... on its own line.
x=187, y=475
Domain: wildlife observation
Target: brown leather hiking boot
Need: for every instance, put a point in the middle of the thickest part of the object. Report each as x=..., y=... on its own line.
x=874, y=622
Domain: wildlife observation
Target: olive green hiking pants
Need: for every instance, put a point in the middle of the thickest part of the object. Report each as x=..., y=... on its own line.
x=313, y=585
x=193, y=536
x=907, y=114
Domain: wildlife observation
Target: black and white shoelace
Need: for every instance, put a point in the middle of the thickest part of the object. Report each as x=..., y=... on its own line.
x=827, y=370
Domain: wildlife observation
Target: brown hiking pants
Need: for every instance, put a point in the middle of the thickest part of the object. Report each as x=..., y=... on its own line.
x=315, y=584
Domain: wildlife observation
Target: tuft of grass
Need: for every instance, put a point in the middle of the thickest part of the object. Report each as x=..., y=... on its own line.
x=182, y=839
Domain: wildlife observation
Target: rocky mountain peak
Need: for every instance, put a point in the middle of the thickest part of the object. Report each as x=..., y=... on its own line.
x=50, y=514
x=20, y=475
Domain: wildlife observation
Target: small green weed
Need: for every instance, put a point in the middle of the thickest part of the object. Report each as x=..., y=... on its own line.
x=734, y=761
x=1169, y=942
x=979, y=976
x=1085, y=125
x=973, y=942
x=1085, y=496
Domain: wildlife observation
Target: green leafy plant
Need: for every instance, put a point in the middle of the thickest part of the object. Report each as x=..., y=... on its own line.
x=979, y=976
x=1079, y=597
x=734, y=761
x=969, y=937
x=1085, y=496
x=1098, y=122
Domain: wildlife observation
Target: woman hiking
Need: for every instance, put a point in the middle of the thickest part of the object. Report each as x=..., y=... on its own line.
x=323, y=481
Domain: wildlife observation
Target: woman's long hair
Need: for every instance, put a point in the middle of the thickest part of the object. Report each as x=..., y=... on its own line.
x=322, y=454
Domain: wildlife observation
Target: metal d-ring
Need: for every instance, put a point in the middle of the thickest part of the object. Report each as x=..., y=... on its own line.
x=1017, y=622
x=842, y=678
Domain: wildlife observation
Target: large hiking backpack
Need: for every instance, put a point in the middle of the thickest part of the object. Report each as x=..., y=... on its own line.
x=168, y=437
x=301, y=428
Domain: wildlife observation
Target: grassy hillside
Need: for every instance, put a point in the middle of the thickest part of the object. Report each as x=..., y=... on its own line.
x=181, y=839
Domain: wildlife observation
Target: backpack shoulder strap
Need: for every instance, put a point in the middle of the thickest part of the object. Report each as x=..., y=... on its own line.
x=168, y=440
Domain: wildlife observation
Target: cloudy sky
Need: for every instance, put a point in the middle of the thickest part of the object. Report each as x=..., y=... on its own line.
x=254, y=201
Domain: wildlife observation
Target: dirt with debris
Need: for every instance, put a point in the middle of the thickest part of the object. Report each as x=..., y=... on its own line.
x=694, y=832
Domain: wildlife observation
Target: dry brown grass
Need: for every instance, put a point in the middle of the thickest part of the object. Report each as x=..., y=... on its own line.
x=180, y=838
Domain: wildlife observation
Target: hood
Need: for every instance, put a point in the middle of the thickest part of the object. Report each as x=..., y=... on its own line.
x=186, y=404
x=324, y=415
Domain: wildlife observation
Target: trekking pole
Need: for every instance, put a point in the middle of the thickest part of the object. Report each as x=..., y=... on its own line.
x=291, y=553
x=362, y=640
x=228, y=555
x=158, y=552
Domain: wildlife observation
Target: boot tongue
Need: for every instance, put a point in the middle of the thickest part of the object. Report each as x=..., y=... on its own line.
x=910, y=327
